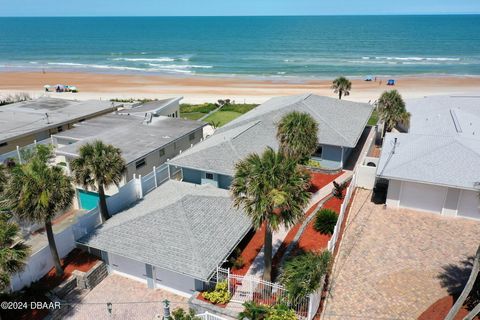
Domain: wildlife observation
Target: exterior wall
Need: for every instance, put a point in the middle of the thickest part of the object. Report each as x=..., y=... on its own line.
x=393, y=194
x=451, y=202
x=224, y=182
x=332, y=156
x=213, y=182
x=424, y=197
x=154, y=277
x=366, y=175
x=192, y=176
x=170, y=151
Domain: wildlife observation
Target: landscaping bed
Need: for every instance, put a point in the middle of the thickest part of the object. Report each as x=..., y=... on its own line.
x=75, y=260
x=440, y=309
x=250, y=250
x=320, y=180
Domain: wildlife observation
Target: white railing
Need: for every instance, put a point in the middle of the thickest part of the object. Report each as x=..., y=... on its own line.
x=248, y=288
x=17, y=154
x=209, y=316
x=341, y=216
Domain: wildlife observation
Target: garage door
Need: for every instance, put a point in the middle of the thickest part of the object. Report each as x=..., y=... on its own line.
x=421, y=196
x=129, y=267
x=468, y=204
x=172, y=280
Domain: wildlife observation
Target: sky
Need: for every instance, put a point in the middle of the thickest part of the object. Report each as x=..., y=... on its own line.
x=232, y=7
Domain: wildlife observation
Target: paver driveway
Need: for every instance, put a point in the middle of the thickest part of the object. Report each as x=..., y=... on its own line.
x=392, y=263
x=130, y=300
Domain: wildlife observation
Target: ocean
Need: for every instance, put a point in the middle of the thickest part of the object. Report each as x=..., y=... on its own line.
x=278, y=47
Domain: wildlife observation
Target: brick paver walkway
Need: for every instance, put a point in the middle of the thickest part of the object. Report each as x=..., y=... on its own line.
x=130, y=299
x=390, y=261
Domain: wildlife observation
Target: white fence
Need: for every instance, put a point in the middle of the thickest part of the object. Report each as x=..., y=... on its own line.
x=341, y=216
x=41, y=261
x=209, y=316
x=248, y=288
x=155, y=178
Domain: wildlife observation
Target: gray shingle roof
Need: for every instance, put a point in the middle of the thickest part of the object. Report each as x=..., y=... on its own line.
x=441, y=160
x=340, y=123
x=179, y=226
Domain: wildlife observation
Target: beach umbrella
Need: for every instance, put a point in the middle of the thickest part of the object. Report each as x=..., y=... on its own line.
x=47, y=86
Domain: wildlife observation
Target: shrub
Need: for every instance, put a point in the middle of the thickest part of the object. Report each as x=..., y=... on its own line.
x=325, y=221
x=220, y=295
x=338, y=189
x=180, y=314
x=281, y=312
x=253, y=311
x=236, y=260
x=313, y=164
x=302, y=274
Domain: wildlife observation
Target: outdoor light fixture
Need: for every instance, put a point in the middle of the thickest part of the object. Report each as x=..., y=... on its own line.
x=109, y=308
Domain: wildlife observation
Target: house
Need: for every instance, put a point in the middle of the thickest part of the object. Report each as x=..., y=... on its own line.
x=432, y=168
x=145, y=142
x=165, y=107
x=173, y=239
x=341, y=123
x=26, y=122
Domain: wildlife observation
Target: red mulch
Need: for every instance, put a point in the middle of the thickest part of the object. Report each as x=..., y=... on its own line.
x=440, y=309
x=320, y=180
x=76, y=260
x=250, y=252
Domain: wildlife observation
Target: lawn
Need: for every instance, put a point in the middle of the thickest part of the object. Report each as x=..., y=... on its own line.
x=220, y=118
x=373, y=118
x=192, y=115
x=226, y=114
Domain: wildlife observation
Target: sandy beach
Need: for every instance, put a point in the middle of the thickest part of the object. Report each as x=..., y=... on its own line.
x=197, y=89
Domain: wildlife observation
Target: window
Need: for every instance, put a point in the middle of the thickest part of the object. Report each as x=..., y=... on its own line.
x=209, y=176
x=140, y=163
x=59, y=129
x=191, y=137
x=161, y=152
x=174, y=146
x=319, y=152
x=3, y=144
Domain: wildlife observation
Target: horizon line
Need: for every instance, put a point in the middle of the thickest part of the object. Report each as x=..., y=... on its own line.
x=253, y=15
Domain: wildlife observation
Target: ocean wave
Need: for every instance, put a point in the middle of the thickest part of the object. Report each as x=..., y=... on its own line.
x=181, y=66
x=418, y=58
x=164, y=59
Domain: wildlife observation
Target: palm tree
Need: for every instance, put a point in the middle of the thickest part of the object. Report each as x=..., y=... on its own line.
x=391, y=109
x=36, y=193
x=466, y=291
x=272, y=190
x=13, y=252
x=302, y=274
x=99, y=166
x=342, y=86
x=297, y=135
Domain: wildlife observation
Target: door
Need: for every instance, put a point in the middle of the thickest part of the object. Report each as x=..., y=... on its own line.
x=420, y=196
